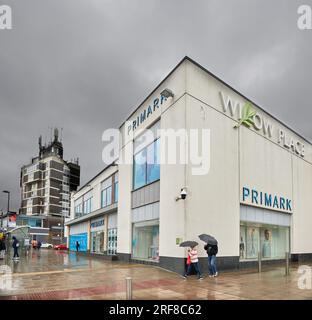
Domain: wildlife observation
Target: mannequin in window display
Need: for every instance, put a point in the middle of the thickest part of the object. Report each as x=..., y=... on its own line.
x=242, y=248
x=253, y=248
x=266, y=247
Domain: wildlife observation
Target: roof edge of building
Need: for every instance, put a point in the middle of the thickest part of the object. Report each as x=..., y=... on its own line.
x=187, y=58
x=97, y=175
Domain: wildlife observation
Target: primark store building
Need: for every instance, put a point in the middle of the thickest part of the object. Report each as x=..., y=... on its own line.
x=249, y=186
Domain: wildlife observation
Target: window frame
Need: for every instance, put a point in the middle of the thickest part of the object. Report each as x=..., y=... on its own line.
x=145, y=165
x=107, y=203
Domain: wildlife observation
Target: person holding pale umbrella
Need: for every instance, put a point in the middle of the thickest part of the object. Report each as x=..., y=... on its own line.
x=211, y=248
x=193, y=256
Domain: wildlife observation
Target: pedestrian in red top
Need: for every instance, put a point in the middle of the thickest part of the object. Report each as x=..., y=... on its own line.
x=193, y=254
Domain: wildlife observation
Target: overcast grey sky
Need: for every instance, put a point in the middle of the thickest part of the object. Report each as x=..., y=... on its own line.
x=85, y=65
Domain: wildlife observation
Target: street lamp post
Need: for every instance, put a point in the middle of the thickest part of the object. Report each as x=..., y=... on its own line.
x=8, y=193
x=1, y=218
x=60, y=225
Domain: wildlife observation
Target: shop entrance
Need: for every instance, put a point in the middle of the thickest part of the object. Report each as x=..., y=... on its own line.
x=97, y=242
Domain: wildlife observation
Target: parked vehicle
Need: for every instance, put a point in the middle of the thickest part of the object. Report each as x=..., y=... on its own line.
x=60, y=247
x=46, y=245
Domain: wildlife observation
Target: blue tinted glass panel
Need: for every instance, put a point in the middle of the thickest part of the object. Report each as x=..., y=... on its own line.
x=103, y=198
x=116, y=192
x=32, y=222
x=139, y=173
x=153, y=159
x=109, y=196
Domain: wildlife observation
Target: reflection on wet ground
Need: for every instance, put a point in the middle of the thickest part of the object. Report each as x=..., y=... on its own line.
x=51, y=274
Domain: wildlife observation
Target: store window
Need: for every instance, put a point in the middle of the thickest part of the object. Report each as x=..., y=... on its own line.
x=97, y=242
x=146, y=160
x=271, y=241
x=145, y=243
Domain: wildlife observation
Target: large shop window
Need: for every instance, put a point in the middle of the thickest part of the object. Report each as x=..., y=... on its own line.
x=145, y=242
x=271, y=241
x=146, y=164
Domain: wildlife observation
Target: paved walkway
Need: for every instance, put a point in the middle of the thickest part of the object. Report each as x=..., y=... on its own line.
x=60, y=275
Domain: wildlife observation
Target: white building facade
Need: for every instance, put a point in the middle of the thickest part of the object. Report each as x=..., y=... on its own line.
x=253, y=194
x=93, y=222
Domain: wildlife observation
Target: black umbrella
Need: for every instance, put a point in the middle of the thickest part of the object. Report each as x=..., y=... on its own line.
x=188, y=244
x=208, y=239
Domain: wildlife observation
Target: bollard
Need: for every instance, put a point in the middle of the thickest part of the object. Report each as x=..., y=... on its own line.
x=287, y=264
x=129, y=288
x=259, y=262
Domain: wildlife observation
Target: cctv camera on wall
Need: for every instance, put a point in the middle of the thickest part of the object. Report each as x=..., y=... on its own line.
x=183, y=194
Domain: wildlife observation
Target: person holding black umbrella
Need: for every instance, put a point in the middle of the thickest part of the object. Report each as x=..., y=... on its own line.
x=211, y=248
x=15, y=246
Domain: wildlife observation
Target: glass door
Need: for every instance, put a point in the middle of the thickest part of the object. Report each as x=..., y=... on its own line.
x=112, y=241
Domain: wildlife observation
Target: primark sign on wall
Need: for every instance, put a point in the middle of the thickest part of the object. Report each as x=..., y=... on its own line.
x=246, y=115
x=145, y=114
x=265, y=199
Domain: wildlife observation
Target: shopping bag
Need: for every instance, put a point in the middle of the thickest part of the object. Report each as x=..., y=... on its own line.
x=188, y=261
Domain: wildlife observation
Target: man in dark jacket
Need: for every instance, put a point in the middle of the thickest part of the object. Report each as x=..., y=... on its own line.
x=212, y=251
x=2, y=248
x=15, y=246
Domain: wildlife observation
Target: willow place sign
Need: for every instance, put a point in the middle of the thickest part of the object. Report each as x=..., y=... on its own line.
x=5, y=17
x=246, y=115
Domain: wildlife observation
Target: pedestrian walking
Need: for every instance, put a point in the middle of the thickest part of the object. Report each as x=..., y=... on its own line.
x=77, y=246
x=193, y=263
x=15, y=246
x=38, y=247
x=2, y=248
x=39, y=244
x=212, y=250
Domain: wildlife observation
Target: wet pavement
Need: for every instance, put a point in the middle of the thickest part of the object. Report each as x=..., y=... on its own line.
x=58, y=275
